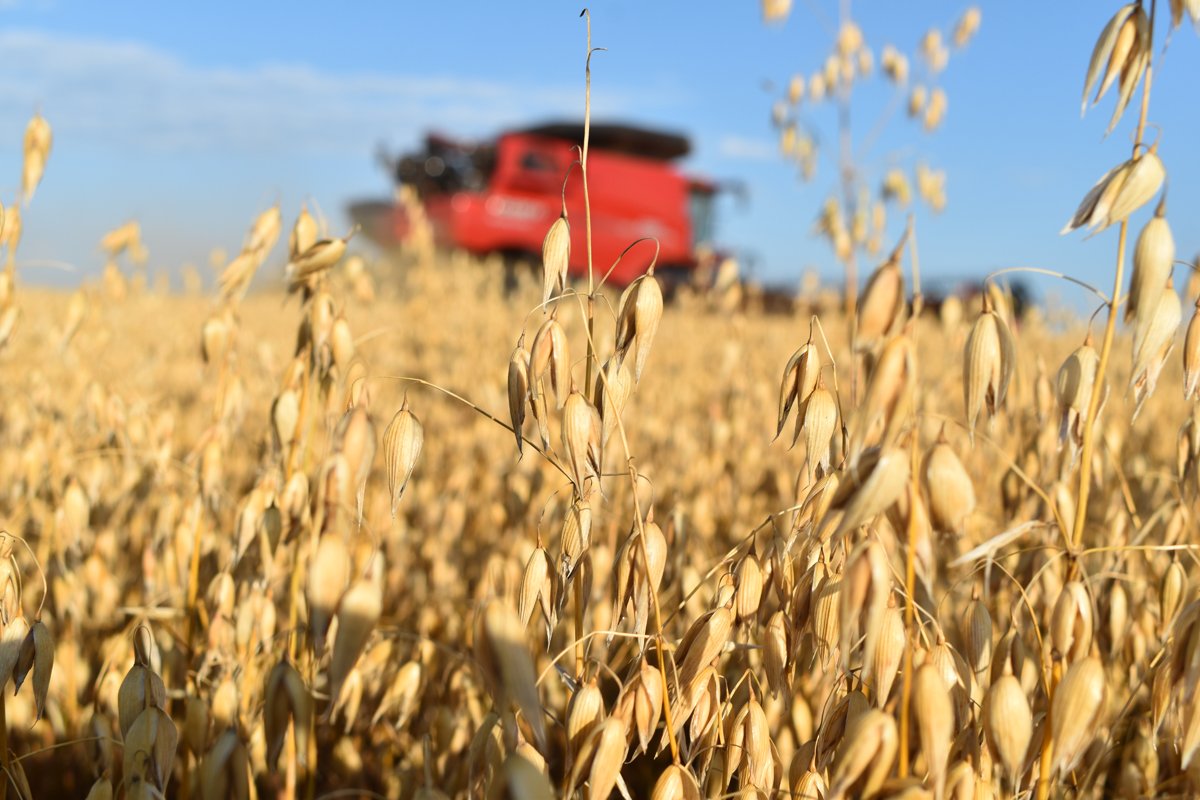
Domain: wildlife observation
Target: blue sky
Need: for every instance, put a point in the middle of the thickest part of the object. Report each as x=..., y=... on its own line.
x=193, y=117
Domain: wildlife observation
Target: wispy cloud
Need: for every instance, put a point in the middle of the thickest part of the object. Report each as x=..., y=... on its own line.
x=742, y=148
x=132, y=95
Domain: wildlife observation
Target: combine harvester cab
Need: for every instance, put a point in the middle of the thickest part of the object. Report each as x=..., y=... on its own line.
x=502, y=197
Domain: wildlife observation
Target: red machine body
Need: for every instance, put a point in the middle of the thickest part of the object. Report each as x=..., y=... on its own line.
x=502, y=196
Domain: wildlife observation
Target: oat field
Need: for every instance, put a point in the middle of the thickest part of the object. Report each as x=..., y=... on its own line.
x=199, y=497
x=333, y=525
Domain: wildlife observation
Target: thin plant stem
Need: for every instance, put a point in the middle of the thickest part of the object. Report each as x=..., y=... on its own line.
x=654, y=604
x=590, y=312
x=1085, y=465
x=1098, y=385
x=5, y=757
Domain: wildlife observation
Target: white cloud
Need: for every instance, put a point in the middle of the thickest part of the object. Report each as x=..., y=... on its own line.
x=742, y=148
x=131, y=95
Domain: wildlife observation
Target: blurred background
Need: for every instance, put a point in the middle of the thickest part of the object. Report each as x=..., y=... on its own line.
x=192, y=118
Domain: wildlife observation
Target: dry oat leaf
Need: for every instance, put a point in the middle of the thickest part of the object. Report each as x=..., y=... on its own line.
x=328, y=576
x=402, y=443
x=506, y=641
x=37, y=653
x=357, y=615
x=286, y=698
x=525, y=780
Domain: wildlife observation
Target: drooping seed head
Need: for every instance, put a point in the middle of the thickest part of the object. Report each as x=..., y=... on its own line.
x=951, y=492
x=637, y=320
x=934, y=714
x=1075, y=713
x=518, y=391
x=402, y=442
x=1153, y=261
x=1009, y=723
x=1072, y=623
x=1153, y=340
x=987, y=367
x=1191, y=356
x=556, y=254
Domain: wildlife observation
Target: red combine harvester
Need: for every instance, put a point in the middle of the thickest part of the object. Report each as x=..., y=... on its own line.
x=501, y=196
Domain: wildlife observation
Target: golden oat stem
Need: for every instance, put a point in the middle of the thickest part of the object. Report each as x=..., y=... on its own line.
x=583, y=154
x=1043, y=784
x=577, y=585
x=189, y=627
x=290, y=467
x=294, y=605
x=918, y=299
x=846, y=170
x=910, y=582
x=5, y=758
x=1085, y=465
x=662, y=664
x=587, y=223
x=654, y=604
